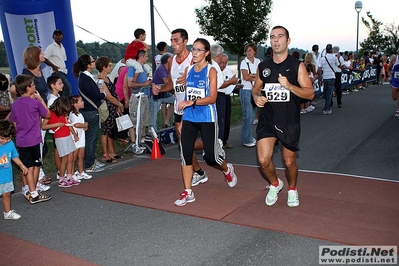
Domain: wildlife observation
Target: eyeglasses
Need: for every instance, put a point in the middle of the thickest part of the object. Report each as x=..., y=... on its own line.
x=197, y=50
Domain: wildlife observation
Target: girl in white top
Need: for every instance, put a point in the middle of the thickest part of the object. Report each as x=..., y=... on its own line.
x=80, y=126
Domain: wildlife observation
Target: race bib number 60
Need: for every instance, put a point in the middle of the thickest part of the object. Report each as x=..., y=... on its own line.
x=276, y=93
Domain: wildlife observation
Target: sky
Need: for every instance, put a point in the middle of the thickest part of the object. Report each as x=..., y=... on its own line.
x=308, y=21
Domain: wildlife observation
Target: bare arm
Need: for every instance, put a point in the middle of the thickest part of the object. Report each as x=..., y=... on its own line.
x=305, y=90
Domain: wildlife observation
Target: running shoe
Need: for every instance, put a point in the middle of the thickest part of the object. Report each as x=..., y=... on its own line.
x=11, y=215
x=292, y=200
x=184, y=198
x=272, y=195
x=397, y=113
x=63, y=183
x=230, y=176
x=94, y=169
x=198, y=179
x=83, y=175
x=42, y=187
x=101, y=165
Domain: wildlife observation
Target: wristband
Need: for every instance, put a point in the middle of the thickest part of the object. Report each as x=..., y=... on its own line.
x=194, y=103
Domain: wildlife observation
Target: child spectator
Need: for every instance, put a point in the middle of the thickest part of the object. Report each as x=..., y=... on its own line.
x=135, y=46
x=80, y=126
x=56, y=86
x=58, y=122
x=26, y=112
x=8, y=152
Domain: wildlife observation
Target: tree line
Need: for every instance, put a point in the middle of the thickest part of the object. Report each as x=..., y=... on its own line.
x=116, y=51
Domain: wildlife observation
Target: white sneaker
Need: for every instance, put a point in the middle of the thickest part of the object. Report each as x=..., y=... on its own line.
x=292, y=200
x=42, y=187
x=11, y=215
x=136, y=149
x=75, y=177
x=230, y=176
x=83, y=175
x=185, y=198
x=272, y=195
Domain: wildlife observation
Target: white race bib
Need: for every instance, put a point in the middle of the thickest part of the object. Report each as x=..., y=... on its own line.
x=195, y=93
x=276, y=93
x=179, y=88
x=396, y=74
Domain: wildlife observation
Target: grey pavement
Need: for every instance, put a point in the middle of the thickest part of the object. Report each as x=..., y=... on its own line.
x=360, y=139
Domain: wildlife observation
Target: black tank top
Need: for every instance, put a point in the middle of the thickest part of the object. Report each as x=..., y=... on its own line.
x=280, y=113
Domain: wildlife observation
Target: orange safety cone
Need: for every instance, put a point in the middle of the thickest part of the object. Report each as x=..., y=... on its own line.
x=155, y=151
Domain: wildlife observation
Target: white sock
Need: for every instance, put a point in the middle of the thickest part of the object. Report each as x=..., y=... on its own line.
x=189, y=191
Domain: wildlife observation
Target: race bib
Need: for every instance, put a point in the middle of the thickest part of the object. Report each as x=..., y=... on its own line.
x=276, y=93
x=396, y=74
x=195, y=93
x=179, y=88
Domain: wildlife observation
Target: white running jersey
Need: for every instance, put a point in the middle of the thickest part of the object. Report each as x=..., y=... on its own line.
x=176, y=71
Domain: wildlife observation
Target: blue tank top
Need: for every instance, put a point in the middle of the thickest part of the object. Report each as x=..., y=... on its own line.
x=198, y=87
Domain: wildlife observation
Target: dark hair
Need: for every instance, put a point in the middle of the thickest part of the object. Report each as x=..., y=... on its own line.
x=296, y=54
x=183, y=33
x=22, y=82
x=7, y=129
x=73, y=100
x=138, y=32
x=165, y=57
x=315, y=47
x=102, y=62
x=161, y=46
x=4, y=82
x=251, y=45
x=269, y=52
x=140, y=53
x=329, y=48
x=51, y=80
x=81, y=64
x=207, y=48
x=281, y=27
x=61, y=106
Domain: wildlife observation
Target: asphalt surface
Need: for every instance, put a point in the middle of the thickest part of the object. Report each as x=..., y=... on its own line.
x=359, y=139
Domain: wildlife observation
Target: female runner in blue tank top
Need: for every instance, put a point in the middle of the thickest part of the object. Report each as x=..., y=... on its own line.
x=200, y=116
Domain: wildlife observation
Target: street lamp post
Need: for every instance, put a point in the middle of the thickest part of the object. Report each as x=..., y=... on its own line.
x=358, y=8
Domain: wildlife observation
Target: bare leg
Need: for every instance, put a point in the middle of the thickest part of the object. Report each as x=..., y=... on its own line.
x=187, y=174
x=291, y=167
x=6, y=201
x=265, y=148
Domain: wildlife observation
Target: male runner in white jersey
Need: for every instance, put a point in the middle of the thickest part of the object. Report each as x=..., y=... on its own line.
x=177, y=82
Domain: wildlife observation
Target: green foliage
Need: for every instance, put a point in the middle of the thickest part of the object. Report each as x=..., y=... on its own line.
x=3, y=55
x=234, y=23
x=380, y=41
x=115, y=51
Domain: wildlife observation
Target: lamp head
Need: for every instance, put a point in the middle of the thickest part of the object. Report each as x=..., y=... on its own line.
x=358, y=6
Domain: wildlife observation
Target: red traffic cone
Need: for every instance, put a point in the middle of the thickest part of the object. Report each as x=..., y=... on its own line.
x=155, y=151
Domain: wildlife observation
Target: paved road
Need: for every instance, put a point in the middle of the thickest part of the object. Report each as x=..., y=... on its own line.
x=359, y=139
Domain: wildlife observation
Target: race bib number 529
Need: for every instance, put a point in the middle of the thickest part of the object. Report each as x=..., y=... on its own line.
x=276, y=93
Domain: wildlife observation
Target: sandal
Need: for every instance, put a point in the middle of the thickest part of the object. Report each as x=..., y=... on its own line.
x=117, y=156
x=45, y=180
x=110, y=160
x=126, y=141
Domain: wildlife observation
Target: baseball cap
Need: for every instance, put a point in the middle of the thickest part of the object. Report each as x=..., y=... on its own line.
x=58, y=31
